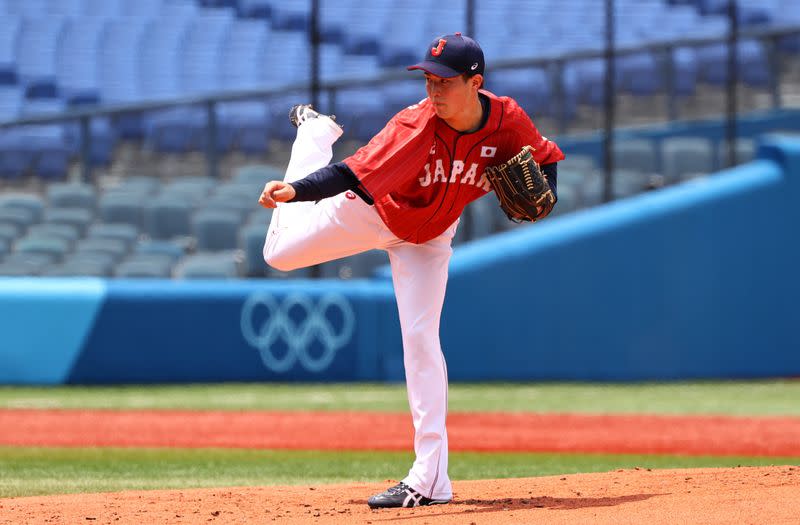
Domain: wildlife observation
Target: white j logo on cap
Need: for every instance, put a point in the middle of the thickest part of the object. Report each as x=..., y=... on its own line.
x=474, y=66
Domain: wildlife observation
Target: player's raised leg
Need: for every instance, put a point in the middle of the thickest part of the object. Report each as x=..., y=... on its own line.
x=303, y=234
x=419, y=273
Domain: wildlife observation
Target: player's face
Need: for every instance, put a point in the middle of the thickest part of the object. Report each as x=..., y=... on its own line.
x=450, y=96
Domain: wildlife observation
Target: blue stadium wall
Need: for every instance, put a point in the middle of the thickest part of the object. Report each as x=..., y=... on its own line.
x=693, y=281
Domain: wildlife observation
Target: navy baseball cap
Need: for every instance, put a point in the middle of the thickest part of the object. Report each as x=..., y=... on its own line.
x=452, y=55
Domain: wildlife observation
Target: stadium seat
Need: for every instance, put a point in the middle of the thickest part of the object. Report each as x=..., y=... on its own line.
x=25, y=263
x=8, y=232
x=68, y=232
x=168, y=216
x=251, y=241
x=745, y=151
x=216, y=230
x=48, y=245
x=354, y=267
x=220, y=265
x=257, y=174
x=685, y=157
x=121, y=232
x=144, y=268
x=20, y=218
x=79, y=218
x=115, y=248
x=29, y=202
x=119, y=207
x=635, y=155
x=72, y=195
x=170, y=250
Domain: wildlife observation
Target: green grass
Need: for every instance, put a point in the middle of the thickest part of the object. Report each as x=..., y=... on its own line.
x=37, y=471
x=736, y=398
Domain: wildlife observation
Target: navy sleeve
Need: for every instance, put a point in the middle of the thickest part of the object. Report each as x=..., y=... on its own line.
x=551, y=170
x=326, y=182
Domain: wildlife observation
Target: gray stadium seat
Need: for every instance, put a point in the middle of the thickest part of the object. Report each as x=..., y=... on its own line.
x=72, y=195
x=8, y=232
x=125, y=208
x=203, y=265
x=686, y=157
x=120, y=231
x=78, y=217
x=635, y=155
x=257, y=174
x=173, y=249
x=216, y=229
x=251, y=241
x=144, y=268
x=356, y=266
x=54, y=247
x=116, y=248
x=68, y=232
x=745, y=151
x=168, y=216
x=25, y=201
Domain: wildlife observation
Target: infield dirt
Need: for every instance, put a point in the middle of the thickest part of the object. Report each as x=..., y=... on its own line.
x=746, y=495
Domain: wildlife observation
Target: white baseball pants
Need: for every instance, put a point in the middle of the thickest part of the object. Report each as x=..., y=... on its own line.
x=304, y=234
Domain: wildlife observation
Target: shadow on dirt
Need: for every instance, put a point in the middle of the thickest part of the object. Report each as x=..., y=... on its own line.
x=480, y=506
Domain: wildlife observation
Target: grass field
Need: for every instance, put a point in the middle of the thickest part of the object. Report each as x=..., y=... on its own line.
x=36, y=471
x=751, y=398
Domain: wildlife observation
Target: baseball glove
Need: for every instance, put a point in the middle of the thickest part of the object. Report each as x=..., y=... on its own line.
x=521, y=187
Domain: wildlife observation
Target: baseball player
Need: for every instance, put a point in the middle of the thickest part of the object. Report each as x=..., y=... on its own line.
x=403, y=192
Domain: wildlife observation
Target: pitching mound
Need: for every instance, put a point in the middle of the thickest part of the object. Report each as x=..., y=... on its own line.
x=735, y=496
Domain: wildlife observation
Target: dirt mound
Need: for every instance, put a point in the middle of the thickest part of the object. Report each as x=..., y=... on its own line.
x=698, y=496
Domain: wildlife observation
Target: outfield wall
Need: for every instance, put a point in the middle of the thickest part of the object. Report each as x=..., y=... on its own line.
x=692, y=281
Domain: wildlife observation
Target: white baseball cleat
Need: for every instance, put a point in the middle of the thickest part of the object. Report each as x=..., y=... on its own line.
x=303, y=112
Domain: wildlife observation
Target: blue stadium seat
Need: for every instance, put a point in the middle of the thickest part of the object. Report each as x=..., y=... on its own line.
x=104, y=8
x=36, y=47
x=199, y=64
x=119, y=72
x=244, y=125
x=261, y=9
x=71, y=8
x=10, y=27
x=148, y=8
x=32, y=8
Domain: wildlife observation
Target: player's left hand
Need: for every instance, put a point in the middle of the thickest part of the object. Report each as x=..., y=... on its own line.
x=275, y=192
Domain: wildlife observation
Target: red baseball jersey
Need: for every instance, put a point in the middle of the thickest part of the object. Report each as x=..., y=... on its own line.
x=422, y=173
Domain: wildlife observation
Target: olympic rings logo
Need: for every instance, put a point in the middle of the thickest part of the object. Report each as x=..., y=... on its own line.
x=314, y=325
